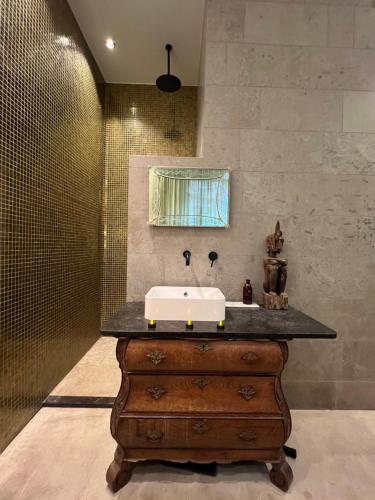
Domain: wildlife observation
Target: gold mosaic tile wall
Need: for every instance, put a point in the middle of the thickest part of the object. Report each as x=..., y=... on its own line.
x=139, y=120
x=51, y=157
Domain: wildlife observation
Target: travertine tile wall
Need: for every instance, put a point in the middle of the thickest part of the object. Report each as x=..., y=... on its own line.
x=288, y=102
x=51, y=163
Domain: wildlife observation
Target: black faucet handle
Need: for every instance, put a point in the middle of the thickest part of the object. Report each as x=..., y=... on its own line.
x=187, y=255
x=212, y=256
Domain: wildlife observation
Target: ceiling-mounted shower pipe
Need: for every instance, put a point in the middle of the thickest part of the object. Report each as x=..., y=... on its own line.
x=168, y=82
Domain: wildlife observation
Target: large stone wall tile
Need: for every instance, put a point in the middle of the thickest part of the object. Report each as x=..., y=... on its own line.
x=309, y=394
x=230, y=64
x=235, y=193
x=286, y=24
x=232, y=107
x=359, y=360
x=302, y=194
x=329, y=236
x=241, y=238
x=222, y=147
x=141, y=236
x=347, y=69
x=349, y=153
x=294, y=109
x=144, y=272
x=364, y=28
x=330, y=279
x=278, y=66
x=146, y=239
x=310, y=152
x=225, y=20
x=138, y=188
x=339, y=315
x=260, y=65
x=314, y=360
x=340, y=26
x=145, y=161
x=281, y=151
x=359, y=112
x=173, y=240
x=356, y=395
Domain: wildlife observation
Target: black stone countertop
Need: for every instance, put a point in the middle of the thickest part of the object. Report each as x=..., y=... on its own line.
x=240, y=323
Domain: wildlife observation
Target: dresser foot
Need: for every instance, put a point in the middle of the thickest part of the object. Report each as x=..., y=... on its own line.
x=119, y=472
x=281, y=475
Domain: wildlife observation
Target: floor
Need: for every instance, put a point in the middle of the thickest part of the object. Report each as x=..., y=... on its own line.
x=63, y=453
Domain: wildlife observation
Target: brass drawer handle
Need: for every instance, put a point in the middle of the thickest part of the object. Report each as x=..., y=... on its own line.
x=156, y=356
x=154, y=436
x=248, y=436
x=249, y=357
x=156, y=391
x=201, y=426
x=200, y=382
x=202, y=347
x=247, y=391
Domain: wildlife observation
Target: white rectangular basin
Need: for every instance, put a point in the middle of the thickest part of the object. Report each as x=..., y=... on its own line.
x=183, y=303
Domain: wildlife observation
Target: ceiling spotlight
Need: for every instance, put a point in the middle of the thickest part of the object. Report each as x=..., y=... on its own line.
x=110, y=44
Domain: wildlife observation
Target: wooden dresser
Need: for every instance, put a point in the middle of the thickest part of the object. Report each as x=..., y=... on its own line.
x=204, y=399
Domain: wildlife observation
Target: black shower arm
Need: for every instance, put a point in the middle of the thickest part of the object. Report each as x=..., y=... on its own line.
x=168, y=48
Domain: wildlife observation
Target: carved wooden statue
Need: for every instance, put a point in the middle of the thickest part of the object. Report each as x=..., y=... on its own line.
x=275, y=270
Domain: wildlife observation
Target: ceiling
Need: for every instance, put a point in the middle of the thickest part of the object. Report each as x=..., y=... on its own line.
x=140, y=29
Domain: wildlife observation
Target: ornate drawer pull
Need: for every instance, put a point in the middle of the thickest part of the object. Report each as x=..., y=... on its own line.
x=246, y=391
x=249, y=357
x=156, y=391
x=154, y=436
x=156, y=356
x=202, y=347
x=201, y=426
x=200, y=382
x=248, y=436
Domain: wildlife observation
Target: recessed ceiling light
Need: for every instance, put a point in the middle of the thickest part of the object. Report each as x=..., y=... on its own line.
x=110, y=44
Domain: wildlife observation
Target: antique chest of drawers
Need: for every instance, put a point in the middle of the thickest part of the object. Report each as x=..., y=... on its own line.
x=204, y=395
x=205, y=400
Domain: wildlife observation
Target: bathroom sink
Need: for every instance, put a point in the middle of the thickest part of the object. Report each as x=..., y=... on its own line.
x=183, y=303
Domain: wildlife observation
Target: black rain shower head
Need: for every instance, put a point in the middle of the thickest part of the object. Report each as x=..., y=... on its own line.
x=168, y=82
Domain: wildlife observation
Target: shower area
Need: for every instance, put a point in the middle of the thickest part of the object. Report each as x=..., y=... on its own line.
x=65, y=141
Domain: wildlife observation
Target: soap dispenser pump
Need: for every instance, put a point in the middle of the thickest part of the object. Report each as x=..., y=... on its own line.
x=247, y=293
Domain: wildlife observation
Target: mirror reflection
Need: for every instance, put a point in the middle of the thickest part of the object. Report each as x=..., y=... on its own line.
x=192, y=197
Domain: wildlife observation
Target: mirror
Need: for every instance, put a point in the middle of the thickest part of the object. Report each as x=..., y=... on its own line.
x=190, y=197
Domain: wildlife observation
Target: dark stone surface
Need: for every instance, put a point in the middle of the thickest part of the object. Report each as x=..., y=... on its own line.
x=78, y=402
x=240, y=323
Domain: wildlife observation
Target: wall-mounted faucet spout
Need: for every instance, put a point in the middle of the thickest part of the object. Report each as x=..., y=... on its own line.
x=187, y=255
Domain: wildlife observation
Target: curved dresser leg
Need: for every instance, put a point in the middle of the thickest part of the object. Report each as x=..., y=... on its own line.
x=281, y=475
x=119, y=472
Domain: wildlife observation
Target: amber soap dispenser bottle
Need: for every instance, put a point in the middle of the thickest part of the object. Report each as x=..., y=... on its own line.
x=247, y=293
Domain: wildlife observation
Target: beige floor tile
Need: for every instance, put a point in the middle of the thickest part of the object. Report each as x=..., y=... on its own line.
x=62, y=454
x=96, y=374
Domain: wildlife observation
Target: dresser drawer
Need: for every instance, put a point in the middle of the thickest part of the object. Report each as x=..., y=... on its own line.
x=201, y=433
x=203, y=356
x=201, y=394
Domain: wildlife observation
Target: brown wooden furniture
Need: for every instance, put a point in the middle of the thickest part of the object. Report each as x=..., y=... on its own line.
x=205, y=399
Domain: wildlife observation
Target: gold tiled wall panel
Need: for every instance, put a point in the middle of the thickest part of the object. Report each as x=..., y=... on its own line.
x=51, y=158
x=139, y=120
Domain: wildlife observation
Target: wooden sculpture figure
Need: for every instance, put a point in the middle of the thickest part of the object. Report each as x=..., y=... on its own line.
x=275, y=270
